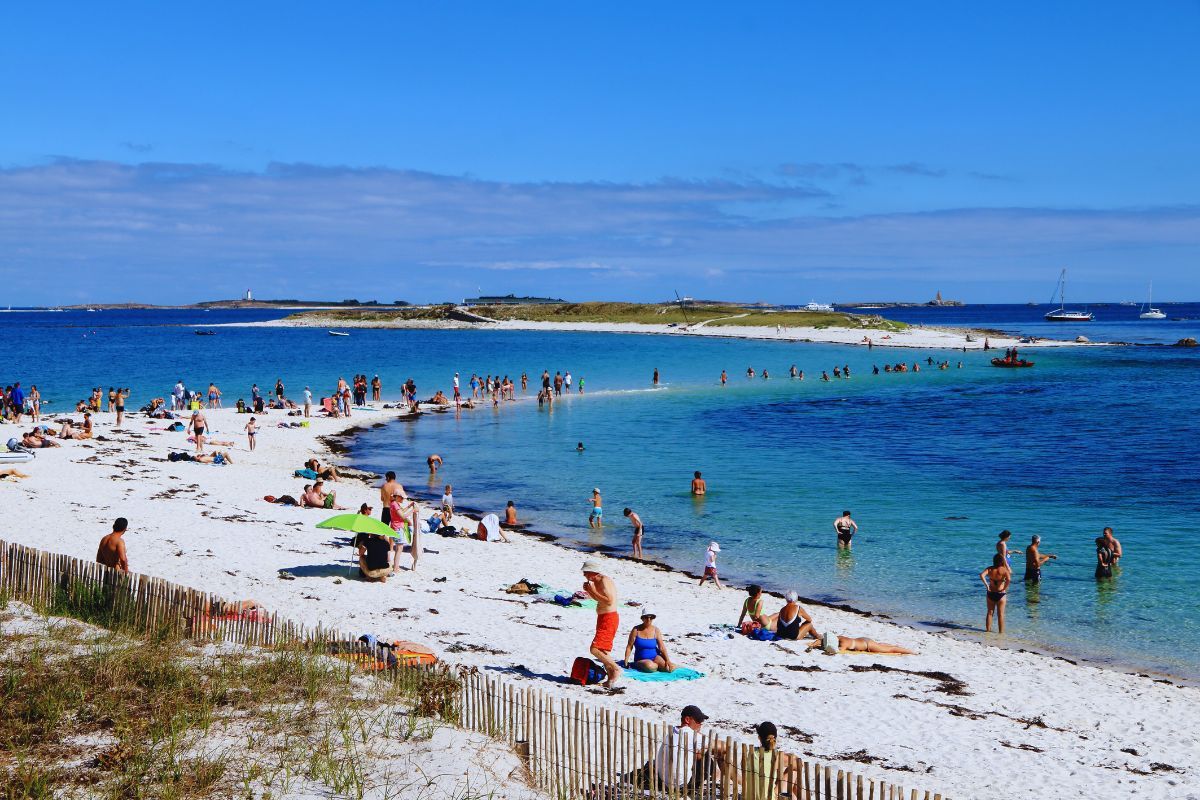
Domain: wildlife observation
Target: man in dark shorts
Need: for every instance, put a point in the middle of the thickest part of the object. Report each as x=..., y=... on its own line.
x=1034, y=560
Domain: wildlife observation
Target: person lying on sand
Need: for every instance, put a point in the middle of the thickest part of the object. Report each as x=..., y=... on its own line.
x=36, y=439
x=849, y=644
x=11, y=472
x=328, y=472
x=218, y=457
x=647, y=647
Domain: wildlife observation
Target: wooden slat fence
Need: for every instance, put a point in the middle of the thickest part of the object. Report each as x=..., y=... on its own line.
x=571, y=749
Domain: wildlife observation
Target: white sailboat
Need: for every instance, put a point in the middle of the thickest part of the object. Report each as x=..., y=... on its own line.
x=1148, y=310
x=1062, y=314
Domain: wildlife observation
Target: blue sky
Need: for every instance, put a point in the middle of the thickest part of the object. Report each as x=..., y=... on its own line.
x=777, y=151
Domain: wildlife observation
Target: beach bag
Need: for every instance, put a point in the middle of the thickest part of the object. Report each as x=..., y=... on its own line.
x=763, y=635
x=177, y=427
x=585, y=672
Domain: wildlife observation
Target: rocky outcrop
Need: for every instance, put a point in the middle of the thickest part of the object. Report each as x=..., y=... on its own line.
x=1188, y=342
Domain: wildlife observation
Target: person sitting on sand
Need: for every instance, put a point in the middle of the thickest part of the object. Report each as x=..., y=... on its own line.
x=328, y=473
x=683, y=761
x=489, y=530
x=769, y=772
x=510, y=514
x=319, y=498
x=439, y=399
x=647, y=647
x=752, y=606
x=849, y=644
x=374, y=557
x=111, y=552
x=792, y=621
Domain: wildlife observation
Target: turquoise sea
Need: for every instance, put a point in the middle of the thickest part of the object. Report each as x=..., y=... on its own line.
x=933, y=464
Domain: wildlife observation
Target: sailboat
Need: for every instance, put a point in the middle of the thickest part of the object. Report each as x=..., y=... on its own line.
x=1148, y=310
x=1062, y=314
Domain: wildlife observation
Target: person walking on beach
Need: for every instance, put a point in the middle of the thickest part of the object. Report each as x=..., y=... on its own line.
x=1035, y=560
x=996, y=580
x=457, y=396
x=596, y=518
x=601, y=588
x=710, y=565
x=35, y=403
x=307, y=402
x=251, y=432
x=636, y=522
x=111, y=552
x=699, y=487
x=196, y=426
x=279, y=389
x=845, y=528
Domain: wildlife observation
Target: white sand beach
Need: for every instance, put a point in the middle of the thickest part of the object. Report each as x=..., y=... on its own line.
x=917, y=336
x=961, y=718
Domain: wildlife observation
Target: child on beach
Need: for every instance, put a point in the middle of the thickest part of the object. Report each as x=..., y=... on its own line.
x=596, y=518
x=601, y=588
x=710, y=565
x=448, y=500
x=250, y=433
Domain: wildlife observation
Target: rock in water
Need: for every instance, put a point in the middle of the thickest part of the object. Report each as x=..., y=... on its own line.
x=1188, y=342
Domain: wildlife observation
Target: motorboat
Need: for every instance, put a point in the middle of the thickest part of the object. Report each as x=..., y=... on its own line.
x=205, y=333
x=337, y=333
x=1148, y=310
x=1015, y=363
x=1062, y=313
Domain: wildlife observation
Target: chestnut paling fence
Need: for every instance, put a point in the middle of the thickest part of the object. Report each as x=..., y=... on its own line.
x=570, y=748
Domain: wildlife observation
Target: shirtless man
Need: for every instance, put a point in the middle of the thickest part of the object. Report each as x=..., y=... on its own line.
x=699, y=487
x=391, y=488
x=1034, y=560
x=197, y=425
x=636, y=522
x=996, y=580
x=434, y=462
x=111, y=552
x=601, y=588
x=1113, y=545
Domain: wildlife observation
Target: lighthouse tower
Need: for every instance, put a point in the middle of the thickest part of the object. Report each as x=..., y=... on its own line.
x=249, y=297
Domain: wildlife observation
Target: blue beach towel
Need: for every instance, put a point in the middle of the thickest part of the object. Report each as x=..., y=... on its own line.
x=680, y=674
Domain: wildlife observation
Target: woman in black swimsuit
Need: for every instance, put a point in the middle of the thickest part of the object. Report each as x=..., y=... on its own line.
x=845, y=528
x=996, y=580
x=1104, y=558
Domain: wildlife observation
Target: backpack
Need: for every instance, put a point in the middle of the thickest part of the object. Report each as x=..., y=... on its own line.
x=585, y=672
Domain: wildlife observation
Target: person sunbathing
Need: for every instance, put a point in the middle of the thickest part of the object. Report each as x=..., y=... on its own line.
x=317, y=497
x=647, y=647
x=219, y=457
x=35, y=439
x=68, y=431
x=11, y=472
x=850, y=644
x=327, y=473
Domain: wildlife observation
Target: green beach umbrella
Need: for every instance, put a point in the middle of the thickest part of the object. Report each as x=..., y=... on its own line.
x=359, y=523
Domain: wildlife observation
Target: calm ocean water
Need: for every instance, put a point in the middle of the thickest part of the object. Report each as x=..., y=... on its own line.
x=933, y=464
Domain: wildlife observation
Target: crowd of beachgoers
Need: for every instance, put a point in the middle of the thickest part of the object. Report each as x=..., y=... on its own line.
x=385, y=555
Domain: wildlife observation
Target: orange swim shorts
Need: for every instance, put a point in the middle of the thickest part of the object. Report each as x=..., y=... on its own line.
x=606, y=631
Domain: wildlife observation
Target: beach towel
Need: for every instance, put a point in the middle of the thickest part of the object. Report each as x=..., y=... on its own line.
x=679, y=674
x=307, y=474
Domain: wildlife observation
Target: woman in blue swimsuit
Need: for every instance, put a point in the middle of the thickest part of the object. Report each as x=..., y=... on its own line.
x=646, y=646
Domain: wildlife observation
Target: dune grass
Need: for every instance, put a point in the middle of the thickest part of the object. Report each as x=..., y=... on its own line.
x=94, y=713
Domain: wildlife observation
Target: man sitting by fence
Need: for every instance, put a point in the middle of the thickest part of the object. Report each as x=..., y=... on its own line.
x=683, y=762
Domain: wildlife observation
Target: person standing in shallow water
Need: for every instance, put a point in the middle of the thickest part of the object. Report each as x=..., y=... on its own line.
x=1035, y=560
x=996, y=580
x=699, y=486
x=654, y=380
x=845, y=528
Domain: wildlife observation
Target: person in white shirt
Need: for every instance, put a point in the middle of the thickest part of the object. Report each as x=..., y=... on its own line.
x=307, y=402
x=710, y=565
x=682, y=760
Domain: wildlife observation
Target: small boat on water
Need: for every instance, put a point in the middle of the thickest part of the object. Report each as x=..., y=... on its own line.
x=814, y=306
x=1011, y=363
x=205, y=333
x=337, y=333
x=1148, y=310
x=1062, y=313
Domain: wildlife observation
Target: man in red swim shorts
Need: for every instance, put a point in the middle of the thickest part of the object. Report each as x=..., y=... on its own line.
x=601, y=588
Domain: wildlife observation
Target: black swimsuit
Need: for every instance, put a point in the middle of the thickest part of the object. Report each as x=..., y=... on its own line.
x=844, y=533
